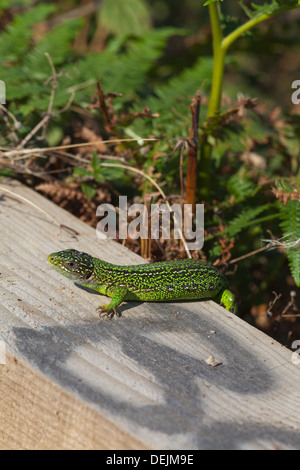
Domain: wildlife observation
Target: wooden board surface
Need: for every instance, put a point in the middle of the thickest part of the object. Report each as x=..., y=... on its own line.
x=142, y=378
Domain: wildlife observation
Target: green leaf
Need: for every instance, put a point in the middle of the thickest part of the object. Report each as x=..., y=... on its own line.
x=113, y=173
x=288, y=2
x=270, y=8
x=4, y=172
x=95, y=162
x=97, y=169
x=4, y=4
x=88, y=190
x=211, y=1
x=80, y=171
x=125, y=17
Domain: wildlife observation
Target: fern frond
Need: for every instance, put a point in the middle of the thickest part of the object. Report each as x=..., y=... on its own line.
x=127, y=73
x=130, y=17
x=290, y=216
x=57, y=43
x=245, y=219
x=15, y=40
x=172, y=100
x=241, y=186
x=121, y=71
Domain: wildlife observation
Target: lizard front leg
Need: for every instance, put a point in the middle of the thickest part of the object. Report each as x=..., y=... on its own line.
x=118, y=295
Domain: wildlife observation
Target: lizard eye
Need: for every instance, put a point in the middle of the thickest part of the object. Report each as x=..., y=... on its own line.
x=70, y=264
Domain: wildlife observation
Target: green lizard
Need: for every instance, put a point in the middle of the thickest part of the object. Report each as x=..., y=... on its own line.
x=164, y=281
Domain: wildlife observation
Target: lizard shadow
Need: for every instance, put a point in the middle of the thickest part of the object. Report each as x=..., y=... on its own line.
x=178, y=374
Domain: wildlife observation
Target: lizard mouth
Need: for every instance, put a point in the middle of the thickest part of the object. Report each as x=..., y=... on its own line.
x=89, y=277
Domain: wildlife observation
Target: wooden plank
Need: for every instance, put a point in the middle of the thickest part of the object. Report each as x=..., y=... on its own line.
x=45, y=416
x=144, y=375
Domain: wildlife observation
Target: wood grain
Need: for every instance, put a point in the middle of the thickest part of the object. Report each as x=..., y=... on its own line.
x=38, y=414
x=73, y=380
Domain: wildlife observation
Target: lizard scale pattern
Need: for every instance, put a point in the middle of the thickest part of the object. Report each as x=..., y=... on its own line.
x=164, y=281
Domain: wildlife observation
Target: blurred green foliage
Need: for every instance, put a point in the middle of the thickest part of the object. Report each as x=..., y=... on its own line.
x=157, y=55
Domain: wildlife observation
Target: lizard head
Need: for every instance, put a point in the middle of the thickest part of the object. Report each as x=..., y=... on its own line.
x=74, y=264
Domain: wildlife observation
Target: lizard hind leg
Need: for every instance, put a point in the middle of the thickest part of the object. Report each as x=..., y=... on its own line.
x=228, y=300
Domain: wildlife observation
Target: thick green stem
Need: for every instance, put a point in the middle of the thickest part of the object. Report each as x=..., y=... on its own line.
x=215, y=98
x=220, y=47
x=219, y=55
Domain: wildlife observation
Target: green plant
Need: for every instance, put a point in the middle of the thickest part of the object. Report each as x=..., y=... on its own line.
x=290, y=213
x=221, y=44
x=250, y=149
